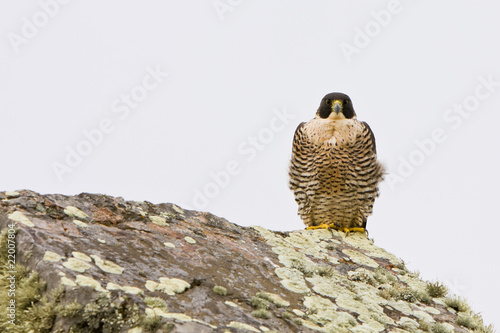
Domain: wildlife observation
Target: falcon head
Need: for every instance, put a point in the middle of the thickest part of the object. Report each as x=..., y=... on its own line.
x=336, y=106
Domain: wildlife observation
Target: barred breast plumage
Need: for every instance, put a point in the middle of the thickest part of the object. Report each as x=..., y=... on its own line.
x=334, y=172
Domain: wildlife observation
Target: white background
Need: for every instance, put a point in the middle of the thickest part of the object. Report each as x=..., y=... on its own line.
x=230, y=69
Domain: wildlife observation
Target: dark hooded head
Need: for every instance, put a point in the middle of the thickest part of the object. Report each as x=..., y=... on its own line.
x=336, y=106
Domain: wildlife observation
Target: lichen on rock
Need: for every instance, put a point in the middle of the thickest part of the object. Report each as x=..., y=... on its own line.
x=95, y=263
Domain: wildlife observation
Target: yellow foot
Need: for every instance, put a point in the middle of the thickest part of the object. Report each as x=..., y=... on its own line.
x=332, y=227
x=349, y=230
x=321, y=226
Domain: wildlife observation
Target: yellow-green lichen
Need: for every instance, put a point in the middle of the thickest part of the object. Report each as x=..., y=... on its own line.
x=128, y=289
x=151, y=285
x=67, y=282
x=366, y=308
x=430, y=309
x=320, y=306
x=76, y=213
x=161, y=313
x=292, y=279
x=322, y=315
x=12, y=194
x=364, y=328
x=423, y=316
x=17, y=216
x=442, y=328
x=178, y=209
x=81, y=256
x=291, y=258
x=113, y=286
x=158, y=220
x=363, y=275
x=331, y=287
x=168, y=286
x=239, y=325
x=359, y=240
x=171, y=286
x=190, y=240
x=170, y=245
x=80, y=223
x=360, y=291
x=135, y=330
x=270, y=237
x=86, y=281
x=76, y=265
x=408, y=324
x=414, y=282
x=308, y=242
x=140, y=210
x=51, y=256
x=231, y=304
x=107, y=266
x=401, y=306
x=360, y=258
x=298, y=312
x=133, y=290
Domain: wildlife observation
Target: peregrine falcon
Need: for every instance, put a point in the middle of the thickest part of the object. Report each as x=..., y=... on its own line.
x=334, y=172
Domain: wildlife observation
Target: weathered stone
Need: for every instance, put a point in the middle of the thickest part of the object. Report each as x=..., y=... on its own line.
x=105, y=257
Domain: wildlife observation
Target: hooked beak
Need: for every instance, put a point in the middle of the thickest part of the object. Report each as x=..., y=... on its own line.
x=337, y=106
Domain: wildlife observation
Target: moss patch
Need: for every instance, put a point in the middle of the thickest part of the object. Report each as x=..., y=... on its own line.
x=27, y=294
x=156, y=302
x=108, y=315
x=436, y=289
x=261, y=313
x=273, y=298
x=38, y=314
x=458, y=304
x=219, y=290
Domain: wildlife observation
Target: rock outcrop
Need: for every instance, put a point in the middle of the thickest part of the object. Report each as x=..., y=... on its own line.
x=95, y=263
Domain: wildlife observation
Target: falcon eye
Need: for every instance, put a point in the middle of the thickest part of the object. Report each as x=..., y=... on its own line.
x=328, y=101
x=346, y=102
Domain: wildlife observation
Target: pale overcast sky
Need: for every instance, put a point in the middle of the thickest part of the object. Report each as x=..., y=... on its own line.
x=196, y=103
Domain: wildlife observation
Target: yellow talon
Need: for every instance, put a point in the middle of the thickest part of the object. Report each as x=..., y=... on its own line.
x=321, y=226
x=355, y=229
x=332, y=227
